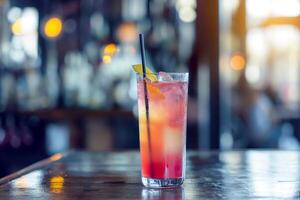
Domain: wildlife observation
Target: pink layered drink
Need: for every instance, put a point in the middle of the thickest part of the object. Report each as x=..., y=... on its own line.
x=163, y=149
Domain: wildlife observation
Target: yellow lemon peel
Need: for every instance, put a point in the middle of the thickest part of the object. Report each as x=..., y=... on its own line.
x=138, y=68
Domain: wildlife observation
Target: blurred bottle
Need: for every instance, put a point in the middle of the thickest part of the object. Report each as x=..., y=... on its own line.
x=77, y=80
x=8, y=91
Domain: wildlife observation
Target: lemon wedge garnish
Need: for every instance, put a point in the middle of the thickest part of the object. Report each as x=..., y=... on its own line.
x=138, y=68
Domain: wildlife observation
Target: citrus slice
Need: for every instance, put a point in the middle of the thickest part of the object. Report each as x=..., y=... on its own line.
x=138, y=68
x=154, y=92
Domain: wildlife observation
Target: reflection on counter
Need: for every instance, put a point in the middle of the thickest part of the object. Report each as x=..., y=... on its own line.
x=209, y=175
x=163, y=194
x=56, y=184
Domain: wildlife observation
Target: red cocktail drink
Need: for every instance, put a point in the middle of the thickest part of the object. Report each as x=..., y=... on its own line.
x=163, y=135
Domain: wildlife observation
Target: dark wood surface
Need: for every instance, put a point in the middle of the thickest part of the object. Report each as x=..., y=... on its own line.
x=64, y=114
x=209, y=175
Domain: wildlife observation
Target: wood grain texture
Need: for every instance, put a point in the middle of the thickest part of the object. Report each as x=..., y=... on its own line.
x=209, y=175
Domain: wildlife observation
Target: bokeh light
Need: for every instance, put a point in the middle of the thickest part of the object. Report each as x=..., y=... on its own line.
x=16, y=27
x=110, y=49
x=253, y=74
x=106, y=59
x=56, y=157
x=13, y=14
x=237, y=62
x=53, y=27
x=186, y=10
x=187, y=14
x=127, y=32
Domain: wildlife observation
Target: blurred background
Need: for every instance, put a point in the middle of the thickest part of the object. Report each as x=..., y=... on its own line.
x=66, y=80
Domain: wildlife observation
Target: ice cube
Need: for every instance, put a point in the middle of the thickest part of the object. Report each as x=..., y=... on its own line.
x=164, y=76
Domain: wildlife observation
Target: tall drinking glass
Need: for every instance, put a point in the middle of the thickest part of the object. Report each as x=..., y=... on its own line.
x=162, y=130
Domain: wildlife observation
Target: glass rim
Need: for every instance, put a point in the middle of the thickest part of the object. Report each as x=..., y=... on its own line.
x=175, y=76
x=170, y=73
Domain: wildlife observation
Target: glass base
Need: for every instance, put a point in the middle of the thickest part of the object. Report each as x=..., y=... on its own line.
x=162, y=183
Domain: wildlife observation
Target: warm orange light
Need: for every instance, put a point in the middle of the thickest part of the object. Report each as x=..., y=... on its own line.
x=127, y=32
x=110, y=49
x=106, y=59
x=56, y=184
x=237, y=62
x=53, y=27
x=57, y=179
x=56, y=157
x=294, y=21
x=16, y=27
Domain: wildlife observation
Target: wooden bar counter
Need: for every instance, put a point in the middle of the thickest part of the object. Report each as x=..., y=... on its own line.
x=116, y=175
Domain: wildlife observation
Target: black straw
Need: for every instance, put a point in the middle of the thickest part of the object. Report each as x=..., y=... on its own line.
x=142, y=47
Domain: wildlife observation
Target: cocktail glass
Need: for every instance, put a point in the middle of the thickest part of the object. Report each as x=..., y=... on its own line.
x=163, y=130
